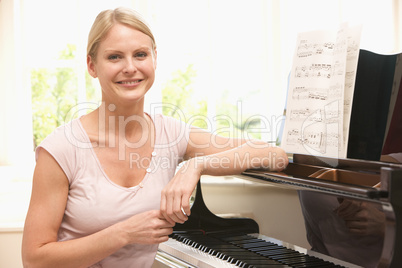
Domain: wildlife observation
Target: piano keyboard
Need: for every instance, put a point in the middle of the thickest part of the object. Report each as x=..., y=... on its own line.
x=242, y=250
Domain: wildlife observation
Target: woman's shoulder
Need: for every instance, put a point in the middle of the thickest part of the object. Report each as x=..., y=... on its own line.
x=168, y=121
x=171, y=131
x=65, y=139
x=64, y=145
x=171, y=126
x=69, y=133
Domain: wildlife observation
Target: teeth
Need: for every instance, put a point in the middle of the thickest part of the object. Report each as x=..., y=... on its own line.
x=130, y=82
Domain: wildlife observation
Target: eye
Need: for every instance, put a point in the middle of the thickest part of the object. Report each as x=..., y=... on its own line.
x=141, y=55
x=113, y=57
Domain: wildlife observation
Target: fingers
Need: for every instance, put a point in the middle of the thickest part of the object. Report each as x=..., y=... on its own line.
x=348, y=208
x=185, y=205
x=175, y=198
x=165, y=223
x=357, y=227
x=149, y=227
x=175, y=207
x=178, y=209
x=361, y=218
x=175, y=210
x=162, y=232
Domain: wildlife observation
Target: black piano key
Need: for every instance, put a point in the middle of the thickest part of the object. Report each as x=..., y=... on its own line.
x=279, y=256
x=249, y=240
x=244, y=256
x=290, y=258
x=202, y=247
x=236, y=238
x=227, y=258
x=245, y=241
x=222, y=256
x=255, y=245
x=267, y=248
x=252, y=245
x=235, y=261
x=232, y=236
x=294, y=258
x=268, y=265
x=224, y=247
x=323, y=264
x=249, y=258
x=279, y=251
x=236, y=254
x=247, y=251
x=257, y=261
x=305, y=261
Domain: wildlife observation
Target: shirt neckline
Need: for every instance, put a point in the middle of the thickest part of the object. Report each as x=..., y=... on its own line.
x=146, y=176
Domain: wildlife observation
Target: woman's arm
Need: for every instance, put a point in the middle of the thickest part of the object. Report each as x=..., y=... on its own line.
x=218, y=156
x=49, y=197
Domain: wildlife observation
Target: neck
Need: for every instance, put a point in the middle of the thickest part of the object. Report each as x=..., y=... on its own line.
x=130, y=119
x=110, y=124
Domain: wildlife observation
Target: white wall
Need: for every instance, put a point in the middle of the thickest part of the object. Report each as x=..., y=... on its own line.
x=10, y=240
x=10, y=247
x=16, y=143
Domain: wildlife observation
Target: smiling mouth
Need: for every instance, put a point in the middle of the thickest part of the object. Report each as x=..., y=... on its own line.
x=129, y=82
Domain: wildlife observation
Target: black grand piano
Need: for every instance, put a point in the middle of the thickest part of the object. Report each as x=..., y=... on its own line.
x=369, y=179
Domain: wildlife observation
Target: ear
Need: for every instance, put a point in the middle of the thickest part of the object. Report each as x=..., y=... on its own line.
x=155, y=57
x=91, y=67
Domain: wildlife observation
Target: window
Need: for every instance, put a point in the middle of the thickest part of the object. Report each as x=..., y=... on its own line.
x=227, y=60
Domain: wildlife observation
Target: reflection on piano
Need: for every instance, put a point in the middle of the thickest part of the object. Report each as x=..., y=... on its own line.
x=207, y=240
x=352, y=207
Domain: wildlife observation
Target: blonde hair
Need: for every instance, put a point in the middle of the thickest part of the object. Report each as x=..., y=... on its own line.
x=107, y=18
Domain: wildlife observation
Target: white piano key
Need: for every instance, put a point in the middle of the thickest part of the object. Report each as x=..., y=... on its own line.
x=193, y=256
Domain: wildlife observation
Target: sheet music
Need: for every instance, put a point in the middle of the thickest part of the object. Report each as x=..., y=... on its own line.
x=353, y=48
x=320, y=92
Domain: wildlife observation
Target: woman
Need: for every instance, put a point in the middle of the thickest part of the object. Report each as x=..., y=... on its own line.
x=105, y=187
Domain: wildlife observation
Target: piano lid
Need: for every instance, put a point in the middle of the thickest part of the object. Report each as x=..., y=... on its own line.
x=351, y=207
x=375, y=127
x=376, y=118
x=345, y=216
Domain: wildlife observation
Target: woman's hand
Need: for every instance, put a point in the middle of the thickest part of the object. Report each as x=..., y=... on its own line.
x=175, y=204
x=175, y=199
x=40, y=246
x=149, y=227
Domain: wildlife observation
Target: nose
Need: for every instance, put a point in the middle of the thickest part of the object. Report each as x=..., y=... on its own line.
x=129, y=67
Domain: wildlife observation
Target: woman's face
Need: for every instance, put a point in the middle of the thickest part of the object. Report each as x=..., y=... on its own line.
x=125, y=65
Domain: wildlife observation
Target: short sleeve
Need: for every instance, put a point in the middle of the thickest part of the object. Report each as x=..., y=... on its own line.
x=62, y=148
x=176, y=134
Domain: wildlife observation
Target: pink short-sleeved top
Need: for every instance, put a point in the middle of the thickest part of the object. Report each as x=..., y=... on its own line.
x=95, y=202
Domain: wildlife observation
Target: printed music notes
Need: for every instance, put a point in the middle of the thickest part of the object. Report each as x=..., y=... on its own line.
x=320, y=92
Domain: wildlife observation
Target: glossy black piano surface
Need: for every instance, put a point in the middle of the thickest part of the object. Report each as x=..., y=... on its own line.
x=326, y=190
x=236, y=242
x=352, y=207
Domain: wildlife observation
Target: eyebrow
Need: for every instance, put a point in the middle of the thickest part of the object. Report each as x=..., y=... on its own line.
x=140, y=48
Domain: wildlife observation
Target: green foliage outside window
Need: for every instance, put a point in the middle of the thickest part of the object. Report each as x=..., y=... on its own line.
x=233, y=122
x=178, y=98
x=55, y=94
x=178, y=93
